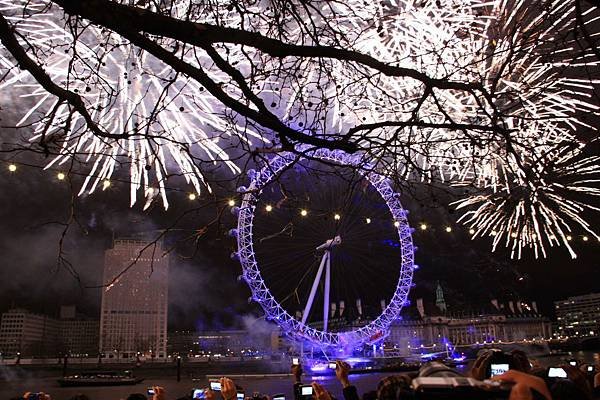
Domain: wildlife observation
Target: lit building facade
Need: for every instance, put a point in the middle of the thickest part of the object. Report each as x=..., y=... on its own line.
x=27, y=334
x=578, y=316
x=133, y=317
x=433, y=325
x=78, y=334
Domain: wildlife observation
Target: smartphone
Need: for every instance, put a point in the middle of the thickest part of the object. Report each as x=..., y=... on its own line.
x=240, y=396
x=590, y=368
x=306, y=390
x=498, y=369
x=332, y=365
x=150, y=391
x=556, y=372
x=215, y=385
x=198, y=394
x=295, y=361
x=279, y=396
x=573, y=363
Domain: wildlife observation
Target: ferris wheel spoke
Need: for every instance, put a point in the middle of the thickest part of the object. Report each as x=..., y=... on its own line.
x=313, y=290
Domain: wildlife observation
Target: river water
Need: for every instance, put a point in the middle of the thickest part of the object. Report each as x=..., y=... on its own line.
x=175, y=390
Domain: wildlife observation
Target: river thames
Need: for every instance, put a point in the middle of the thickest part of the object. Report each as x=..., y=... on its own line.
x=267, y=385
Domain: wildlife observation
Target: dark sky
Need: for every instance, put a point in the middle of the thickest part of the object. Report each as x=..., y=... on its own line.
x=204, y=290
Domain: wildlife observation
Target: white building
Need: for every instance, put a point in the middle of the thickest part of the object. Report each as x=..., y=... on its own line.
x=133, y=317
x=578, y=316
x=26, y=334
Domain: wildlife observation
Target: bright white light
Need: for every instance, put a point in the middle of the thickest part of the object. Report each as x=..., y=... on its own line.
x=569, y=238
x=105, y=184
x=304, y=213
x=192, y=196
x=448, y=229
x=337, y=217
x=585, y=238
x=12, y=167
x=472, y=231
x=423, y=227
x=368, y=220
x=231, y=202
x=60, y=176
x=269, y=208
x=396, y=224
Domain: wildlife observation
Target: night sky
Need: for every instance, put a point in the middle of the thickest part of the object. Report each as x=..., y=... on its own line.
x=204, y=290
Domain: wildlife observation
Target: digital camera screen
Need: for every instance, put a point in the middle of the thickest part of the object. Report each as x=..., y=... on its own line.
x=557, y=373
x=499, y=369
x=216, y=386
x=307, y=391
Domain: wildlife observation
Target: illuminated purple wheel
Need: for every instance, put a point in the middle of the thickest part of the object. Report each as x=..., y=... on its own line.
x=299, y=253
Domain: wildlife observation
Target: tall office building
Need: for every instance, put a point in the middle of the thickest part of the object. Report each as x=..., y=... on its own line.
x=578, y=316
x=134, y=304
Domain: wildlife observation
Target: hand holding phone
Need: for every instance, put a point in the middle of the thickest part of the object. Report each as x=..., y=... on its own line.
x=198, y=394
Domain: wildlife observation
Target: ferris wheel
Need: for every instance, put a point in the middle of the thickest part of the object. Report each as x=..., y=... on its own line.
x=317, y=234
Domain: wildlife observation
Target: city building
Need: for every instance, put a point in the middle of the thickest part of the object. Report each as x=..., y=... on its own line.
x=26, y=334
x=578, y=316
x=429, y=324
x=79, y=335
x=230, y=343
x=33, y=335
x=133, y=317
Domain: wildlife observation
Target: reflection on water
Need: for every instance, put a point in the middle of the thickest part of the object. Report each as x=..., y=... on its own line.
x=264, y=385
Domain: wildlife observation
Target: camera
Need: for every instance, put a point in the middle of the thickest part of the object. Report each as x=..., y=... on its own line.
x=198, y=394
x=556, y=372
x=500, y=362
x=306, y=390
x=445, y=387
x=215, y=385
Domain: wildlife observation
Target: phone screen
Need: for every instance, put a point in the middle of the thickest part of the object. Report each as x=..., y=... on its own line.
x=295, y=361
x=198, y=394
x=573, y=363
x=150, y=391
x=307, y=390
x=216, y=386
x=556, y=372
x=240, y=396
x=498, y=369
x=590, y=368
x=332, y=365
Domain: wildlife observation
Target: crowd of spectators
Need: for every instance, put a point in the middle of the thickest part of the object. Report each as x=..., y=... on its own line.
x=524, y=380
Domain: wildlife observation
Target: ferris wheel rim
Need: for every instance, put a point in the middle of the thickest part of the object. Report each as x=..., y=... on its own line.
x=251, y=269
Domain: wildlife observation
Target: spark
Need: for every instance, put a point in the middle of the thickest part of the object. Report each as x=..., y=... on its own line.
x=531, y=184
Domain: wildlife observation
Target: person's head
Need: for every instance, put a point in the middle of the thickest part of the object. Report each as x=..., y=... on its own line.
x=393, y=387
x=137, y=396
x=566, y=389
